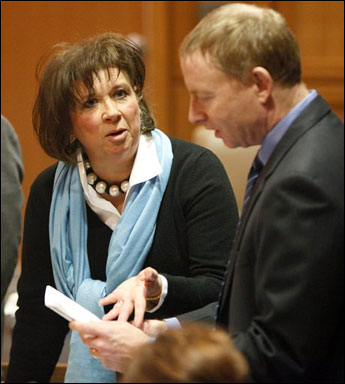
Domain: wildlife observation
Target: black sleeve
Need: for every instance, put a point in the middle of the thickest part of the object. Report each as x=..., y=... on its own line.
x=39, y=333
x=204, y=233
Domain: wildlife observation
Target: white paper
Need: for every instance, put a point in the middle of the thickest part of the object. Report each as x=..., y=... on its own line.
x=66, y=307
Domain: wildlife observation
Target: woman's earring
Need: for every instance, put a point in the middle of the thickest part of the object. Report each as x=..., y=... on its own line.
x=72, y=138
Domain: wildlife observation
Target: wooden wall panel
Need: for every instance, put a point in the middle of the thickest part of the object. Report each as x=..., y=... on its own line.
x=157, y=31
x=319, y=29
x=165, y=25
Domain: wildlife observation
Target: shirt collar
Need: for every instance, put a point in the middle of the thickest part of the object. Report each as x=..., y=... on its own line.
x=278, y=131
x=146, y=166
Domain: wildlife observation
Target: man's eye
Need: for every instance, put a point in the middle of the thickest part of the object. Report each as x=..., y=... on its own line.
x=205, y=97
x=90, y=103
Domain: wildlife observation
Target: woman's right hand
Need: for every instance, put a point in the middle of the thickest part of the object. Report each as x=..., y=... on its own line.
x=131, y=295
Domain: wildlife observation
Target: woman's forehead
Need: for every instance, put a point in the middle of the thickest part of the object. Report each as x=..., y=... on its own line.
x=102, y=77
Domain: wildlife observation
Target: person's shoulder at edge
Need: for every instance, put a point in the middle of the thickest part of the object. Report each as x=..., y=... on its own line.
x=187, y=149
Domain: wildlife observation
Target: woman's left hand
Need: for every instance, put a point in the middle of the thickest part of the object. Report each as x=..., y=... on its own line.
x=131, y=295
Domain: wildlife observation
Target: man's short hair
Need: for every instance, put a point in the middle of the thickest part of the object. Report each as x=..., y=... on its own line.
x=239, y=37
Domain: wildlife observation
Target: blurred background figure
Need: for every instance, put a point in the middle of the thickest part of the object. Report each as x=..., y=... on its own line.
x=193, y=354
x=11, y=205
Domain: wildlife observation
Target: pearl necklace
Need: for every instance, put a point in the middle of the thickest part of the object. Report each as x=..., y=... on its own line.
x=100, y=185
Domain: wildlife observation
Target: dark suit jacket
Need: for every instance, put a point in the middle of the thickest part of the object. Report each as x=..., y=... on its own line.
x=283, y=299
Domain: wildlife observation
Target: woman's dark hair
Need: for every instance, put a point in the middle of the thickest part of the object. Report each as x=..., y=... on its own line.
x=65, y=67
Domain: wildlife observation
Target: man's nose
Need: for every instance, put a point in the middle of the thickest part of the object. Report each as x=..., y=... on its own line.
x=196, y=113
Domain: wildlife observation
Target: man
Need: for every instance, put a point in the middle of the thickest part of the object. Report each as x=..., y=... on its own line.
x=282, y=299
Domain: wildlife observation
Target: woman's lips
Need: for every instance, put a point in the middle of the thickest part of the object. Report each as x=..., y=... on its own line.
x=117, y=136
x=116, y=132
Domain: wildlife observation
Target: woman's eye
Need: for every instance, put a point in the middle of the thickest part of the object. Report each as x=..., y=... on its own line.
x=90, y=103
x=120, y=93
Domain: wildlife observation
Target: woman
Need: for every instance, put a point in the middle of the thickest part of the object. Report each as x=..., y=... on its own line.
x=122, y=197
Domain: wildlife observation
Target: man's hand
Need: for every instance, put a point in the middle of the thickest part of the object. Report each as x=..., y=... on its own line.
x=112, y=342
x=153, y=328
x=131, y=295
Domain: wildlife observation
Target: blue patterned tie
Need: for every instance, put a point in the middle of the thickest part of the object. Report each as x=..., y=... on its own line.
x=253, y=175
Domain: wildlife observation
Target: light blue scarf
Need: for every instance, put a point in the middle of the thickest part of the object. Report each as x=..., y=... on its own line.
x=129, y=245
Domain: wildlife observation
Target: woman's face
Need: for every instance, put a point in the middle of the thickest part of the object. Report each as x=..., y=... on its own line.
x=107, y=122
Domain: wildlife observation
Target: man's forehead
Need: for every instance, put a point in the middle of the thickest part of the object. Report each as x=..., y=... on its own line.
x=197, y=58
x=198, y=71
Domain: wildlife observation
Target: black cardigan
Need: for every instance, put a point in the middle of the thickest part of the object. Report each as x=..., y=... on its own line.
x=195, y=228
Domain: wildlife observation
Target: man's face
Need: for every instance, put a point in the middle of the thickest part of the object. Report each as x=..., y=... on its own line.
x=222, y=103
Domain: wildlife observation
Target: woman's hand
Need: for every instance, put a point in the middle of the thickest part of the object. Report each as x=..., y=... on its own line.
x=131, y=295
x=110, y=341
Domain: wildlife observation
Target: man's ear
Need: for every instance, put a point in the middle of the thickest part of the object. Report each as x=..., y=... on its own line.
x=264, y=83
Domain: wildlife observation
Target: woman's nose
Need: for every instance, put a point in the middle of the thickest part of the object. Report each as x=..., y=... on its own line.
x=111, y=111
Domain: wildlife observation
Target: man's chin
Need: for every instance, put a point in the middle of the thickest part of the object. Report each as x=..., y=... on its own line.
x=228, y=143
x=218, y=135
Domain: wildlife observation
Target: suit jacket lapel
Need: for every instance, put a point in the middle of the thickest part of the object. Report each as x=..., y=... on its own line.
x=317, y=109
